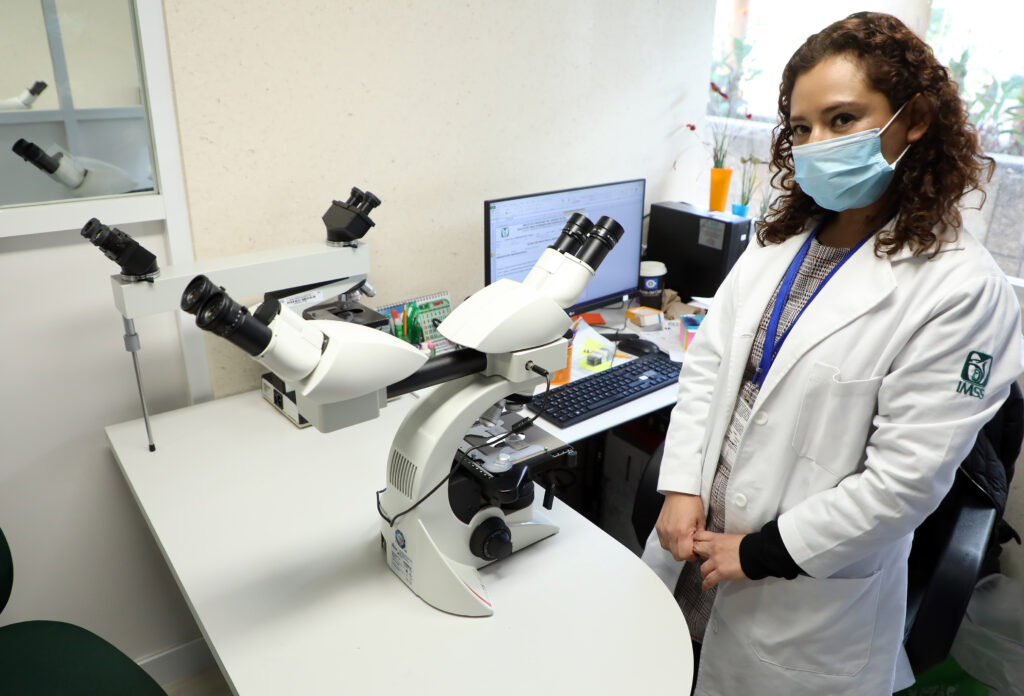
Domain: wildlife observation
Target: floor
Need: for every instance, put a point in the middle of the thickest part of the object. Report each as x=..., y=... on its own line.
x=209, y=682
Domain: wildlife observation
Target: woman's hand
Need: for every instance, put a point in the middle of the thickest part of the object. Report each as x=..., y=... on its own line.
x=682, y=516
x=721, y=554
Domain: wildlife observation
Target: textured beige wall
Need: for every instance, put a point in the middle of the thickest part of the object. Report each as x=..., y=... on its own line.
x=433, y=106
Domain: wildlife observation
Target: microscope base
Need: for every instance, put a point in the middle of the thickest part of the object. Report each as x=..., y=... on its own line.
x=443, y=582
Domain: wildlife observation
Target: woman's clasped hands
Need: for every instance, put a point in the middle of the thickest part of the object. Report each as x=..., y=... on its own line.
x=681, y=532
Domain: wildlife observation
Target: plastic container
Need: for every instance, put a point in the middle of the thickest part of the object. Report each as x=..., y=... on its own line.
x=565, y=374
x=990, y=643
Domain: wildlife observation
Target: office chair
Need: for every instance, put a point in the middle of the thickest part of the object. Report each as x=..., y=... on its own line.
x=944, y=566
x=647, y=504
x=55, y=658
x=949, y=546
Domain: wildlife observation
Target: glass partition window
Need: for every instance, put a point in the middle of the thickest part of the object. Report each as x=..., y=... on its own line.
x=72, y=116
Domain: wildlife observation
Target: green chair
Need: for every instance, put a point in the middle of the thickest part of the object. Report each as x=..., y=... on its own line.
x=53, y=658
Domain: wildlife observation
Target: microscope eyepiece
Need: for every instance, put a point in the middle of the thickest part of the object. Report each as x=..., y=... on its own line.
x=135, y=261
x=196, y=293
x=368, y=203
x=600, y=240
x=33, y=154
x=223, y=316
x=574, y=233
x=355, y=197
x=37, y=88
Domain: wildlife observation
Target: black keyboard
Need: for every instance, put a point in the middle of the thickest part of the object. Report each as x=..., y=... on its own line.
x=577, y=401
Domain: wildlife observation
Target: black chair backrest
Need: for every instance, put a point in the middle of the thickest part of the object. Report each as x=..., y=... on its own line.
x=647, y=505
x=951, y=545
x=6, y=571
x=944, y=566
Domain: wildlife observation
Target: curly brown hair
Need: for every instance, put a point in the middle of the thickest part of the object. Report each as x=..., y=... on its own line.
x=934, y=175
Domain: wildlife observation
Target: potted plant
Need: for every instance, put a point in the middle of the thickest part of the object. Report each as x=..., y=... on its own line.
x=747, y=183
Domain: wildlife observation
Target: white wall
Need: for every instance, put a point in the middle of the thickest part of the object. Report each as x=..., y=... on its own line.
x=434, y=106
x=81, y=550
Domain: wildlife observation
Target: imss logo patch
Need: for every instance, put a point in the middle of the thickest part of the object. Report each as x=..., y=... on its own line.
x=974, y=375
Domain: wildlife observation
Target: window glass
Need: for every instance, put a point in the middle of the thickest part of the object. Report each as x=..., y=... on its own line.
x=99, y=46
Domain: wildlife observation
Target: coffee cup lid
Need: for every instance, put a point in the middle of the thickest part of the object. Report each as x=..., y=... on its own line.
x=652, y=268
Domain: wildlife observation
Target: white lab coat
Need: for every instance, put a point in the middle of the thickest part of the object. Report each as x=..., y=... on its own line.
x=853, y=440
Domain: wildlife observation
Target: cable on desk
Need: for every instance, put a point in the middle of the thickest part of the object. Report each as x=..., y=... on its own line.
x=490, y=442
x=618, y=331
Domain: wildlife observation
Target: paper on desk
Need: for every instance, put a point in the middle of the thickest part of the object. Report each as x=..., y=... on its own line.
x=586, y=341
x=667, y=339
x=700, y=303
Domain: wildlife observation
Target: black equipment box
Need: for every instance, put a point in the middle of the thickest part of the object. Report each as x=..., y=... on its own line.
x=697, y=246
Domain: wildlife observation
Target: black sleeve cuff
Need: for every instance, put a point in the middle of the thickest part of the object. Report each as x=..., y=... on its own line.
x=763, y=554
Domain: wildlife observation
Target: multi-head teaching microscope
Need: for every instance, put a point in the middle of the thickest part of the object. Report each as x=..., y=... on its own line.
x=462, y=466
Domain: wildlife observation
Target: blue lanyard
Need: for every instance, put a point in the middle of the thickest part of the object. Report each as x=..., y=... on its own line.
x=772, y=339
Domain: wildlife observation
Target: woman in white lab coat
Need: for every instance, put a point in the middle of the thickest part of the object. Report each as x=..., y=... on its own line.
x=843, y=372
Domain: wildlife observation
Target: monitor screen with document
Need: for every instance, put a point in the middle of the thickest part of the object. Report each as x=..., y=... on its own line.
x=519, y=228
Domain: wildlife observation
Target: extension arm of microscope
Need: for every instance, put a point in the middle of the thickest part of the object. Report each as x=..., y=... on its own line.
x=517, y=366
x=441, y=368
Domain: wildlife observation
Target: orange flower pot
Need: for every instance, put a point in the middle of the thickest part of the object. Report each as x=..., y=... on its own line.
x=720, y=178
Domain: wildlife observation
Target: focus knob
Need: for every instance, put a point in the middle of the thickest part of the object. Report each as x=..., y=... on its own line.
x=491, y=540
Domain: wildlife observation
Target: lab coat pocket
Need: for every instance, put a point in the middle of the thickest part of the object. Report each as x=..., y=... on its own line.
x=834, y=419
x=820, y=625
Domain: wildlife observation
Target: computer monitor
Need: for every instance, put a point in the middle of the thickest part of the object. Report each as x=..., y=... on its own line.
x=518, y=229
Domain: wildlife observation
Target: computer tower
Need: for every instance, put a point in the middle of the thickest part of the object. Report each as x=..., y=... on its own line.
x=697, y=246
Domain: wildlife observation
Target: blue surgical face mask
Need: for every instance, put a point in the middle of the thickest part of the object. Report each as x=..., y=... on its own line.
x=845, y=172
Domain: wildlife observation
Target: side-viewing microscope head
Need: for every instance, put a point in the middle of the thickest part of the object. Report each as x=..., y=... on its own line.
x=348, y=222
x=25, y=99
x=339, y=368
x=136, y=262
x=83, y=176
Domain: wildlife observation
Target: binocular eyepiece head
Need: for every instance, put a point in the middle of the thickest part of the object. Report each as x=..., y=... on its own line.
x=362, y=201
x=217, y=313
x=196, y=293
x=588, y=242
x=136, y=262
x=574, y=233
x=349, y=221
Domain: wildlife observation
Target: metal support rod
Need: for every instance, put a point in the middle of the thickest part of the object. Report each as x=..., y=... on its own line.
x=132, y=345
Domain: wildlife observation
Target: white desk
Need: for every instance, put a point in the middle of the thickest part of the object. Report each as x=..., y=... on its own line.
x=273, y=536
x=666, y=396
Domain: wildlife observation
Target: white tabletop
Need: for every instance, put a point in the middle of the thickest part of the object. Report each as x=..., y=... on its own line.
x=273, y=536
x=666, y=396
